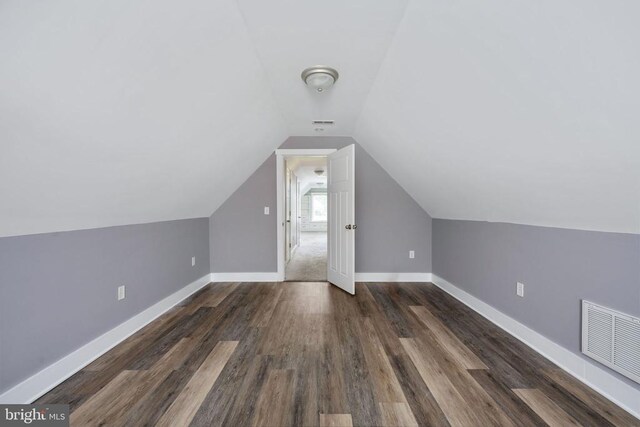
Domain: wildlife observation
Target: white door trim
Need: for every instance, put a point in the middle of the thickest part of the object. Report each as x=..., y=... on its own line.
x=287, y=152
x=281, y=155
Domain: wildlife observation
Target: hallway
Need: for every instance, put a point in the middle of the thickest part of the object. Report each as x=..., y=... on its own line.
x=309, y=261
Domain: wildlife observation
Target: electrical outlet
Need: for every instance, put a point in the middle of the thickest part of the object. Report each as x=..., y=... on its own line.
x=193, y=261
x=120, y=292
x=520, y=289
x=266, y=210
x=412, y=254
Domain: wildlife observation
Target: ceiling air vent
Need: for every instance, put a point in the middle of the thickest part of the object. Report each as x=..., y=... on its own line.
x=323, y=122
x=612, y=338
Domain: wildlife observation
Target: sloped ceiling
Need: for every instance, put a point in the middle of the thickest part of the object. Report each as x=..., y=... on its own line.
x=351, y=36
x=523, y=112
x=305, y=167
x=118, y=112
x=127, y=111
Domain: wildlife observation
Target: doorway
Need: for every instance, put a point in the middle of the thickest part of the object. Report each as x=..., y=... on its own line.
x=319, y=200
x=306, y=213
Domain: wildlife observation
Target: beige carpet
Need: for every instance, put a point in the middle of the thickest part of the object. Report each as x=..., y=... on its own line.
x=309, y=261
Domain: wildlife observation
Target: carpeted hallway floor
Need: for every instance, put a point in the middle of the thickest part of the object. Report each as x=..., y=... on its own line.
x=309, y=261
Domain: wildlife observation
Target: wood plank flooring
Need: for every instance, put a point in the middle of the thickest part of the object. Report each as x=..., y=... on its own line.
x=308, y=354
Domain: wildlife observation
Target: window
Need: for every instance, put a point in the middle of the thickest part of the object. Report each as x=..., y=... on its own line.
x=319, y=207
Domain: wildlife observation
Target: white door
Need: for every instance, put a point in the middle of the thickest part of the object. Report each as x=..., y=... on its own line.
x=341, y=236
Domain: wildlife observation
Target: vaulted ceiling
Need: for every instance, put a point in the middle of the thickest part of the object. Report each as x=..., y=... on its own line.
x=127, y=111
x=523, y=112
x=117, y=112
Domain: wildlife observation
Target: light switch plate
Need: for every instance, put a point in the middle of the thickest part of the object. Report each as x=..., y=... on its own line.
x=121, y=293
x=520, y=289
x=266, y=210
x=412, y=254
x=193, y=261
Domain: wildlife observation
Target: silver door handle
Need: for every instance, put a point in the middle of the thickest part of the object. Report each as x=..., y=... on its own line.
x=354, y=226
x=348, y=226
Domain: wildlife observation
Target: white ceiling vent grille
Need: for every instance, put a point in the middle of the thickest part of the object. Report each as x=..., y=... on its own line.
x=612, y=338
x=323, y=122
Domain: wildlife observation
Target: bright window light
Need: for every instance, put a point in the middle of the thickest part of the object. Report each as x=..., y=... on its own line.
x=319, y=207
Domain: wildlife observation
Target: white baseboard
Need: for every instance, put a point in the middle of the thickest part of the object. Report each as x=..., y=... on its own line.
x=597, y=378
x=393, y=277
x=360, y=277
x=40, y=383
x=603, y=382
x=245, y=277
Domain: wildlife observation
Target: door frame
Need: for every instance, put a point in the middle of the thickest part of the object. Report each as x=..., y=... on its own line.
x=281, y=156
x=287, y=215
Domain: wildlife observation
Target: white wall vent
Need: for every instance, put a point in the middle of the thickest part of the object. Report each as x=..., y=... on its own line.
x=612, y=338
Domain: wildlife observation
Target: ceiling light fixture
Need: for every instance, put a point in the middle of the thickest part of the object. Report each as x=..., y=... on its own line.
x=319, y=172
x=319, y=77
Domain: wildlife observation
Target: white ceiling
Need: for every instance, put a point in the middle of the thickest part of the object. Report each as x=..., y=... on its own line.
x=118, y=112
x=305, y=167
x=523, y=112
x=351, y=36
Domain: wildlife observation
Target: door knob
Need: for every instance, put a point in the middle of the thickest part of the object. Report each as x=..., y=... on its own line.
x=354, y=226
x=348, y=226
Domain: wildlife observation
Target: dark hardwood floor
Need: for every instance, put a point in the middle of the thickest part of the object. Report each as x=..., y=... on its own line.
x=306, y=354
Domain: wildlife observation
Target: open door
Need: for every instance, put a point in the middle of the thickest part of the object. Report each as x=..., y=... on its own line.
x=341, y=235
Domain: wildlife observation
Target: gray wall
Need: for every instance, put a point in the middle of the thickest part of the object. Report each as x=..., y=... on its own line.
x=58, y=290
x=242, y=237
x=559, y=268
x=390, y=222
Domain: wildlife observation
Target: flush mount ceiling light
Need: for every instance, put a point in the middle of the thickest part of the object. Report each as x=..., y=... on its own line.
x=319, y=172
x=319, y=77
